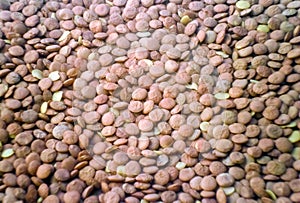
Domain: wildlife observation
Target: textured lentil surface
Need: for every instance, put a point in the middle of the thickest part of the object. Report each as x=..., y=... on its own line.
x=149, y=101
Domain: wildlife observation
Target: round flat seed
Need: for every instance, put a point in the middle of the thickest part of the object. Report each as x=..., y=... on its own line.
x=228, y=190
x=222, y=96
x=7, y=153
x=37, y=74
x=57, y=96
x=263, y=28
x=295, y=136
x=242, y=5
x=162, y=160
x=54, y=76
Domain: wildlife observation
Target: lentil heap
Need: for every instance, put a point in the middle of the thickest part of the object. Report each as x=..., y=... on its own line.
x=149, y=101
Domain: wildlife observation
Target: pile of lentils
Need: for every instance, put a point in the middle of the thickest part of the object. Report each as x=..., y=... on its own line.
x=147, y=101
